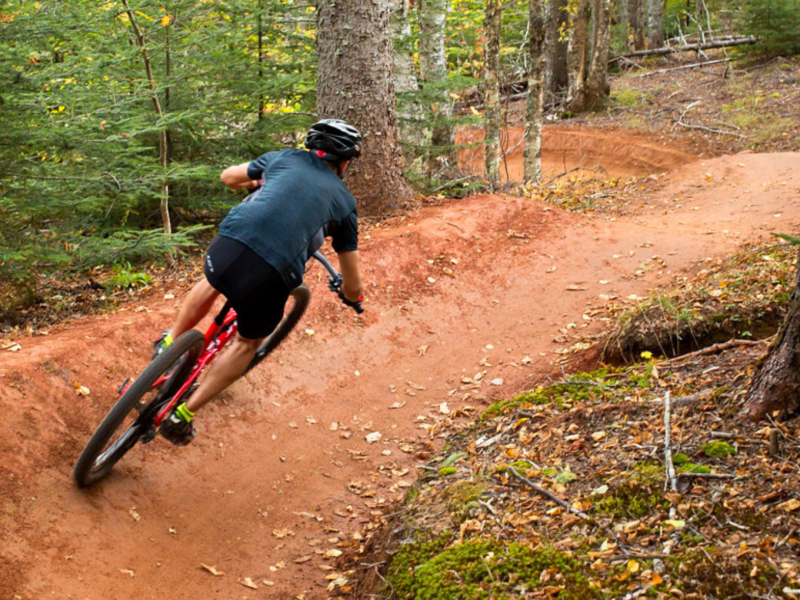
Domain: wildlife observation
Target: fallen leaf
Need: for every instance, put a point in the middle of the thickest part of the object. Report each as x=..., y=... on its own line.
x=247, y=582
x=302, y=559
x=422, y=350
x=13, y=348
x=81, y=390
x=127, y=572
x=790, y=505
x=212, y=570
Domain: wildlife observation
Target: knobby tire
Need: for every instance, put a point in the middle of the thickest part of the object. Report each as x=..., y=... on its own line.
x=96, y=460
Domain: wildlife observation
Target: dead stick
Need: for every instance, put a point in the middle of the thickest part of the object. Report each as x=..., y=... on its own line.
x=563, y=503
x=714, y=349
x=673, y=480
x=566, y=505
x=706, y=475
x=700, y=64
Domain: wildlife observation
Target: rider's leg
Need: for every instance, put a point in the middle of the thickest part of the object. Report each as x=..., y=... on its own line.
x=224, y=371
x=196, y=306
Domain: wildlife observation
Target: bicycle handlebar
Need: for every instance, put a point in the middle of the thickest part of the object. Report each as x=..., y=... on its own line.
x=335, y=283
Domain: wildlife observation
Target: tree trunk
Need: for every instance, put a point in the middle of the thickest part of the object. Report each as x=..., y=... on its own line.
x=578, y=62
x=491, y=89
x=354, y=83
x=405, y=78
x=556, y=76
x=597, y=87
x=777, y=385
x=655, y=30
x=410, y=124
x=533, y=135
x=162, y=135
x=636, y=19
x=433, y=72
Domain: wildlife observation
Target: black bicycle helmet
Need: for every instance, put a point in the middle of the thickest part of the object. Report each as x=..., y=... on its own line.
x=335, y=138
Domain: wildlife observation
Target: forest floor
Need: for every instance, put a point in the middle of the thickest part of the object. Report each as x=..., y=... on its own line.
x=470, y=303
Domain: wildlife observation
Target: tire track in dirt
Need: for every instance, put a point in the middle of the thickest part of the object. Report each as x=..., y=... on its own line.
x=266, y=459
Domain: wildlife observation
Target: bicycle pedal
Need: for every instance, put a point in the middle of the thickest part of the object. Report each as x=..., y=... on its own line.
x=124, y=387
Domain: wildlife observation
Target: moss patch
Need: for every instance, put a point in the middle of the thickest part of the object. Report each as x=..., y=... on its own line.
x=718, y=450
x=483, y=570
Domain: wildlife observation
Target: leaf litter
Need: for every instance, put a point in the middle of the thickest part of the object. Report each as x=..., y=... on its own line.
x=598, y=499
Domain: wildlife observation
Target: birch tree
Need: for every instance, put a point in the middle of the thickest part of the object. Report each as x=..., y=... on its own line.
x=533, y=134
x=433, y=72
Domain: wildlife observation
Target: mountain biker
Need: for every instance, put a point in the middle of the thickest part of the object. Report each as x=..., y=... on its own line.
x=261, y=248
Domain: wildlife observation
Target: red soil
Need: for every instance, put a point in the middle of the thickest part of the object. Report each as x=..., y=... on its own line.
x=267, y=458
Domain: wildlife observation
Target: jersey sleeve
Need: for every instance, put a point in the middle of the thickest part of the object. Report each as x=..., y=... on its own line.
x=259, y=165
x=345, y=237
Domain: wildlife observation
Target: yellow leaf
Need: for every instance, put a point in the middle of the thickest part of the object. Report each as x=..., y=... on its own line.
x=632, y=566
x=165, y=20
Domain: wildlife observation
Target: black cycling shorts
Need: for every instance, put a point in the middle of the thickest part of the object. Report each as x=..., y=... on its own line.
x=254, y=288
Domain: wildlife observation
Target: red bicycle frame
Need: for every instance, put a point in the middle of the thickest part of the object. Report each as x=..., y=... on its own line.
x=215, y=341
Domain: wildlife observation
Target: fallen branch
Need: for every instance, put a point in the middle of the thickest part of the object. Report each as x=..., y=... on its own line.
x=714, y=350
x=700, y=64
x=672, y=49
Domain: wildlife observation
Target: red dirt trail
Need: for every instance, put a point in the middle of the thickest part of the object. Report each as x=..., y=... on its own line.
x=268, y=457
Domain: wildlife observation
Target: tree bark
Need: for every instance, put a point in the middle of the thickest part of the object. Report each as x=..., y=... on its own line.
x=433, y=72
x=491, y=89
x=410, y=124
x=636, y=19
x=777, y=384
x=597, y=87
x=162, y=134
x=354, y=83
x=532, y=168
x=556, y=75
x=578, y=62
x=655, y=29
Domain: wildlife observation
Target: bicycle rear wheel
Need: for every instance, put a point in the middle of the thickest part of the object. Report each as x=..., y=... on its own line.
x=132, y=416
x=301, y=295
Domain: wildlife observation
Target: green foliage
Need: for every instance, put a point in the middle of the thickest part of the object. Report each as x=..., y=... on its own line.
x=124, y=277
x=774, y=22
x=795, y=241
x=482, y=570
x=444, y=471
x=79, y=157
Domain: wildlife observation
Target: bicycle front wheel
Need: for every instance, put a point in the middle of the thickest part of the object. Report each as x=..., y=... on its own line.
x=133, y=414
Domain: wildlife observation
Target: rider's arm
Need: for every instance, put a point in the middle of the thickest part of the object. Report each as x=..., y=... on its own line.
x=236, y=177
x=351, y=274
